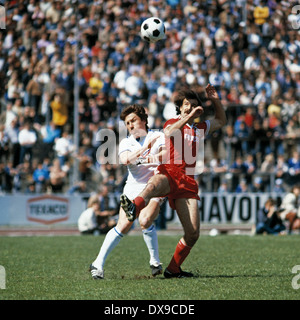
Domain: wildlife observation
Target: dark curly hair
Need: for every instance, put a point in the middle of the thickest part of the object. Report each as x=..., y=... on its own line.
x=186, y=94
x=138, y=110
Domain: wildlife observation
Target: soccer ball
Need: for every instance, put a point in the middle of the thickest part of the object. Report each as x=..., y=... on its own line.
x=152, y=29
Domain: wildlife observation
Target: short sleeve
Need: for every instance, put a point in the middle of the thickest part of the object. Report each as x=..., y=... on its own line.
x=204, y=126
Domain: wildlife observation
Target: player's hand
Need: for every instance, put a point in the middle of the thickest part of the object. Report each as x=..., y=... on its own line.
x=196, y=112
x=211, y=92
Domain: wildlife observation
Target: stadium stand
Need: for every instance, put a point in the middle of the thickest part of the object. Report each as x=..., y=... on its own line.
x=249, y=50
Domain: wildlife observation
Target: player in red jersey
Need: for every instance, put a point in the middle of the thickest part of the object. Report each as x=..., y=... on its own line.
x=174, y=178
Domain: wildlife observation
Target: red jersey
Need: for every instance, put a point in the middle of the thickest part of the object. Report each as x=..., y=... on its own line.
x=183, y=147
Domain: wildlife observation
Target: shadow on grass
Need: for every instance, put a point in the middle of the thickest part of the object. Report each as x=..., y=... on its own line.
x=217, y=276
x=196, y=277
x=238, y=276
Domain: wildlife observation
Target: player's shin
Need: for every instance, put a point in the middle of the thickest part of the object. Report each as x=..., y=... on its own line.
x=111, y=240
x=150, y=238
x=181, y=252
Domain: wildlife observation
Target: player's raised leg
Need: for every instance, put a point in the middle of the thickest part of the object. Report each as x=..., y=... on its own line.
x=157, y=186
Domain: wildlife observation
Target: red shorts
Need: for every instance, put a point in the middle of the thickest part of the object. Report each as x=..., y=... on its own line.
x=181, y=185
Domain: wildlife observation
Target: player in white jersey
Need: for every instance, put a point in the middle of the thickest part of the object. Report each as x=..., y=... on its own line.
x=142, y=169
x=141, y=152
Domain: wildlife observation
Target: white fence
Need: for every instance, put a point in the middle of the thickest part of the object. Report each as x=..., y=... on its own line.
x=40, y=209
x=66, y=209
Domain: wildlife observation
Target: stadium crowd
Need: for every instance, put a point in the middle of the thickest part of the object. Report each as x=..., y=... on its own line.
x=249, y=50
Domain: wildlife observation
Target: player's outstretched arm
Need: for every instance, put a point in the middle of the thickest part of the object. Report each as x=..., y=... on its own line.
x=128, y=157
x=178, y=125
x=220, y=118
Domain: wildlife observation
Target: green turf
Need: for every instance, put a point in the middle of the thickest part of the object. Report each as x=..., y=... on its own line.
x=226, y=267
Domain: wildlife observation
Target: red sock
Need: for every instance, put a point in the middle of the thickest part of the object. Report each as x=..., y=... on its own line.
x=139, y=204
x=181, y=252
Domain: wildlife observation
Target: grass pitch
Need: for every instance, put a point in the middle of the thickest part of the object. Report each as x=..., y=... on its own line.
x=226, y=267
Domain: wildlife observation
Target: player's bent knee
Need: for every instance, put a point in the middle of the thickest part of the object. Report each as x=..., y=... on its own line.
x=150, y=187
x=145, y=222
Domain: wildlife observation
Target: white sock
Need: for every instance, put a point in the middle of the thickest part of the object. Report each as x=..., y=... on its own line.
x=150, y=238
x=111, y=240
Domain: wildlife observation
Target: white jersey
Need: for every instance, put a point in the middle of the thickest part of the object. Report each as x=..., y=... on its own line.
x=138, y=175
x=87, y=220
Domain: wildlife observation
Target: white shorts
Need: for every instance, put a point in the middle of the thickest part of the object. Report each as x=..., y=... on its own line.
x=133, y=190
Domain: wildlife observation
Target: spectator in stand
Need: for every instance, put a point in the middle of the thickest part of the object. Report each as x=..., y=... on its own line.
x=277, y=45
x=231, y=142
x=8, y=115
x=261, y=13
x=27, y=139
x=258, y=185
x=25, y=173
x=95, y=84
x=252, y=52
x=57, y=177
x=4, y=145
x=217, y=168
x=279, y=134
x=250, y=167
x=260, y=97
x=267, y=169
x=41, y=178
x=294, y=167
x=268, y=219
x=251, y=62
x=50, y=133
x=257, y=140
x=12, y=132
x=254, y=39
x=278, y=188
x=237, y=169
x=223, y=187
x=262, y=82
x=94, y=111
x=87, y=222
x=85, y=163
x=109, y=207
x=249, y=118
x=35, y=92
x=281, y=168
x=65, y=82
x=242, y=187
x=290, y=208
x=221, y=43
x=290, y=108
x=59, y=110
x=242, y=132
x=292, y=132
x=7, y=174
x=267, y=137
x=261, y=113
x=63, y=147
